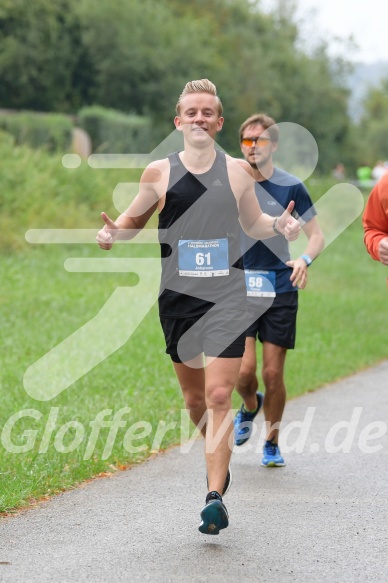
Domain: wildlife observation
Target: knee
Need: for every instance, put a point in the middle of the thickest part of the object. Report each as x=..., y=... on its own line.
x=246, y=375
x=218, y=397
x=272, y=378
x=194, y=402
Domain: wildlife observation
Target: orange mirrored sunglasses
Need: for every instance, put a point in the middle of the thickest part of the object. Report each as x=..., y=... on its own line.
x=260, y=142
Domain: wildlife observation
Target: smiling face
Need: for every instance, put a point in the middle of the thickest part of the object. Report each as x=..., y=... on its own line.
x=199, y=118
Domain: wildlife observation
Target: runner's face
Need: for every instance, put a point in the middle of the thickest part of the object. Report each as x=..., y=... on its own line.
x=199, y=119
x=259, y=153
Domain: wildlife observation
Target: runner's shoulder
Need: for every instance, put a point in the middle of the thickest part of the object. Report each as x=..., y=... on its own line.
x=236, y=165
x=155, y=170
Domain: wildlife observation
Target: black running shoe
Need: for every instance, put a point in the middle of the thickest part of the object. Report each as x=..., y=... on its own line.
x=214, y=516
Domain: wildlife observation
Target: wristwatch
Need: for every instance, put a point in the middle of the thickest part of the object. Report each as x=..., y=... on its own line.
x=274, y=226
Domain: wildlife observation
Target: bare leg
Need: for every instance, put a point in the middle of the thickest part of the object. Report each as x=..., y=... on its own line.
x=275, y=391
x=192, y=383
x=221, y=376
x=247, y=383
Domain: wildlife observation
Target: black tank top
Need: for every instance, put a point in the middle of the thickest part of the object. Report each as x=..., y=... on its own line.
x=199, y=234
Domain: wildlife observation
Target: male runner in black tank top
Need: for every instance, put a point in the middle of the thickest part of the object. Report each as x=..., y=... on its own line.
x=202, y=197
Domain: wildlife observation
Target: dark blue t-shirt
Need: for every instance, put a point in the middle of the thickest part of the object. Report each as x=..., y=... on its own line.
x=271, y=255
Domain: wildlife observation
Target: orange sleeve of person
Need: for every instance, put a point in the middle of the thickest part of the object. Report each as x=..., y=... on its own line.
x=375, y=217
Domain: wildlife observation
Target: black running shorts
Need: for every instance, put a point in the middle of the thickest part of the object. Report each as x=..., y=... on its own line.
x=219, y=333
x=277, y=321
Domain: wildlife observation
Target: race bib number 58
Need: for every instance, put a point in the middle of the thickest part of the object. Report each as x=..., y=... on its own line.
x=260, y=283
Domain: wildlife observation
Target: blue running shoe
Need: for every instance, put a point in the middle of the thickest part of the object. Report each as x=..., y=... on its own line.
x=272, y=457
x=243, y=421
x=214, y=516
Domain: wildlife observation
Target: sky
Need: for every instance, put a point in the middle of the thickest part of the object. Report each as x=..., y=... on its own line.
x=366, y=20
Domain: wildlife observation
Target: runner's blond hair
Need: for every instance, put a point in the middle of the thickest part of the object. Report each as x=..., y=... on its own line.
x=199, y=86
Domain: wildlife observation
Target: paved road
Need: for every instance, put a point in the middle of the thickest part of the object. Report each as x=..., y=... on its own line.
x=321, y=519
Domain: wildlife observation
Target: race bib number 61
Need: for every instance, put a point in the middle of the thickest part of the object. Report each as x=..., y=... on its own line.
x=200, y=258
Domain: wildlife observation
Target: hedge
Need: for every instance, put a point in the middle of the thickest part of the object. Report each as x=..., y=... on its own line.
x=114, y=132
x=52, y=132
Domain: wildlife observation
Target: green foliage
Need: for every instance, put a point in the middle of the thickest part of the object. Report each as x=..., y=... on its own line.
x=144, y=53
x=374, y=124
x=52, y=132
x=37, y=192
x=253, y=58
x=115, y=132
x=43, y=63
x=376, y=103
x=135, y=56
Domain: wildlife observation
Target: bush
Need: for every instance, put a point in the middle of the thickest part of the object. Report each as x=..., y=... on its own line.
x=114, y=132
x=38, y=192
x=52, y=132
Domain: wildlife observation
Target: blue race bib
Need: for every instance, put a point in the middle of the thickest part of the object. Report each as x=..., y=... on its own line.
x=199, y=258
x=260, y=283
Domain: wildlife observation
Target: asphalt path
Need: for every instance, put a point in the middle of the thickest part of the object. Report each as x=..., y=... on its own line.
x=321, y=518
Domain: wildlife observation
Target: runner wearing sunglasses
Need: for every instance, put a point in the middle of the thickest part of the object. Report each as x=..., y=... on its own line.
x=272, y=282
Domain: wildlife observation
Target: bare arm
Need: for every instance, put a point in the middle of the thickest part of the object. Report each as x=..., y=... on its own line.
x=129, y=223
x=315, y=244
x=265, y=226
x=255, y=223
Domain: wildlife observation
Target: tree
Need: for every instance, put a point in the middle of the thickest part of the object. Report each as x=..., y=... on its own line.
x=373, y=126
x=137, y=55
x=43, y=64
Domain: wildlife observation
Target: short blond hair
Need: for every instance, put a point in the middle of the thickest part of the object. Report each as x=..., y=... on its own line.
x=199, y=86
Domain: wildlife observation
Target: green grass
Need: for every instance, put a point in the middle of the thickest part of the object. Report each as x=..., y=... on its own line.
x=341, y=319
x=341, y=329
x=42, y=304
x=342, y=312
